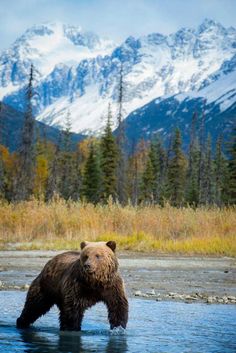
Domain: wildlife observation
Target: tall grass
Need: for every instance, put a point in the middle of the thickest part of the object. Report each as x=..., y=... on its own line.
x=63, y=225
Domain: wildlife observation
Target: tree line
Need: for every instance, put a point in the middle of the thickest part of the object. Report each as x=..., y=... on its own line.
x=100, y=169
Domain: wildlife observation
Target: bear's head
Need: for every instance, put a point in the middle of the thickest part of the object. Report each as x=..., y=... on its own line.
x=98, y=260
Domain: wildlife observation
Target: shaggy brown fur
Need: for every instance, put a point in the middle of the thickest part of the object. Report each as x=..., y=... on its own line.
x=75, y=281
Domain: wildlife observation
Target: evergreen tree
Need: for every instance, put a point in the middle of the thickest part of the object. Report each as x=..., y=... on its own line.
x=176, y=171
x=53, y=181
x=202, y=162
x=148, y=183
x=232, y=168
x=1, y=124
x=152, y=186
x=167, y=153
x=91, y=179
x=108, y=161
x=158, y=159
x=192, y=180
x=132, y=176
x=25, y=180
x=77, y=179
x=66, y=171
x=136, y=167
x=121, y=139
x=209, y=174
x=192, y=184
x=221, y=175
x=2, y=177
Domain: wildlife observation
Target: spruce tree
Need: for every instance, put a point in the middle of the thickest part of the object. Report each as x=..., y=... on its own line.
x=176, y=171
x=66, y=164
x=202, y=162
x=232, y=168
x=53, y=181
x=77, y=179
x=2, y=177
x=91, y=179
x=136, y=166
x=165, y=195
x=158, y=159
x=221, y=175
x=192, y=184
x=209, y=174
x=132, y=179
x=148, y=183
x=121, y=139
x=153, y=176
x=25, y=179
x=1, y=125
x=109, y=162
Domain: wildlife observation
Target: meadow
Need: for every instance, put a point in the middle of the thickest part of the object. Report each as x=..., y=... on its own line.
x=63, y=225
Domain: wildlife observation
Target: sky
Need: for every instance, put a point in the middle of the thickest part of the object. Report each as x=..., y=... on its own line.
x=114, y=19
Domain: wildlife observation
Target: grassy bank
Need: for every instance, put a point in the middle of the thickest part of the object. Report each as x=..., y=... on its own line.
x=61, y=225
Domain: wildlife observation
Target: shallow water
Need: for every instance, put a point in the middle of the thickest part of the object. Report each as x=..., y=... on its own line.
x=154, y=327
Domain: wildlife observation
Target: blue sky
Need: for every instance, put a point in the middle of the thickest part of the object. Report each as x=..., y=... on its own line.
x=114, y=19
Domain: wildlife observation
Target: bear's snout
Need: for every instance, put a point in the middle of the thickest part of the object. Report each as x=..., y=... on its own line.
x=88, y=266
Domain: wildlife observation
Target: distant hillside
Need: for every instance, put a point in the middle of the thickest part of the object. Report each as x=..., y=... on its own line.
x=11, y=122
x=216, y=102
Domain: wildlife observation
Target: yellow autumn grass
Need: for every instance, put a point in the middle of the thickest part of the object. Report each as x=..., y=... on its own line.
x=63, y=225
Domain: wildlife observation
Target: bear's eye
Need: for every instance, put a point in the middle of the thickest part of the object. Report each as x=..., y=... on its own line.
x=85, y=257
x=97, y=256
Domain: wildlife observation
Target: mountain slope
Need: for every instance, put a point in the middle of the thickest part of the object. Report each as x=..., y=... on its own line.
x=217, y=102
x=154, y=66
x=11, y=123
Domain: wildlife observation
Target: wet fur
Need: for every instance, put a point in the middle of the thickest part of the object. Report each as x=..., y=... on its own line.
x=66, y=282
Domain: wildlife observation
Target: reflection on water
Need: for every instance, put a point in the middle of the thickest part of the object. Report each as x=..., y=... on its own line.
x=72, y=342
x=154, y=327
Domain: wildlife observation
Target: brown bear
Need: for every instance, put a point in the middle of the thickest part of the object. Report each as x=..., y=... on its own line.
x=75, y=281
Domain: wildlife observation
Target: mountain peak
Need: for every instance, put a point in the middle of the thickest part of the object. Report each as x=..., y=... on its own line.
x=209, y=24
x=40, y=30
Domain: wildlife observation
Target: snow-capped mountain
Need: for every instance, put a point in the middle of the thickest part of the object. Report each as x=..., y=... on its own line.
x=215, y=103
x=46, y=46
x=78, y=73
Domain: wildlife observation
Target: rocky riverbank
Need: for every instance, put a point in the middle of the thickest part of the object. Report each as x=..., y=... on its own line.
x=187, y=298
x=173, y=278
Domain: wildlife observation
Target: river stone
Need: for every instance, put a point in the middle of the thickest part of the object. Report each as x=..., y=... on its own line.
x=151, y=292
x=138, y=293
x=210, y=300
x=179, y=296
x=231, y=297
x=189, y=297
x=225, y=299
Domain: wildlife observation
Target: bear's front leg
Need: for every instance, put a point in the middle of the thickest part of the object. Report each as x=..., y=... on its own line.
x=117, y=305
x=71, y=318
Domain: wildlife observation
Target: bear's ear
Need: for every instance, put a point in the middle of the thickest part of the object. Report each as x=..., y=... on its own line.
x=112, y=245
x=83, y=244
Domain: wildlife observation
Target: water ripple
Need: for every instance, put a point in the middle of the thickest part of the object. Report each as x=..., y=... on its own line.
x=154, y=327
